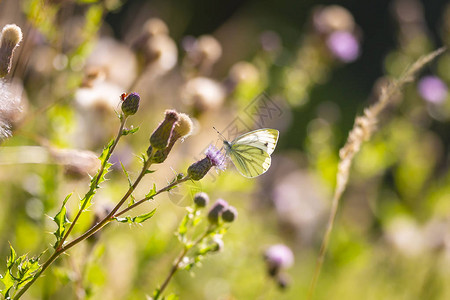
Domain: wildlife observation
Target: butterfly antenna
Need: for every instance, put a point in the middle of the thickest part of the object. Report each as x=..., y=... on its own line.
x=221, y=135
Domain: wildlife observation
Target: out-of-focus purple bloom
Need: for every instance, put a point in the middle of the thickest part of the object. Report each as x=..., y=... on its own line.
x=270, y=41
x=216, y=211
x=201, y=199
x=229, y=214
x=216, y=157
x=278, y=257
x=343, y=45
x=432, y=89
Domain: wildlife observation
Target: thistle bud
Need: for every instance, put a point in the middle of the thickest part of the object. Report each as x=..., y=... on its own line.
x=149, y=151
x=130, y=103
x=161, y=136
x=216, y=211
x=10, y=39
x=213, y=157
x=229, y=214
x=182, y=129
x=278, y=257
x=201, y=199
x=217, y=244
x=199, y=169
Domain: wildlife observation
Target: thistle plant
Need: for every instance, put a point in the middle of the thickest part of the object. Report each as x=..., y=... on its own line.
x=22, y=271
x=198, y=245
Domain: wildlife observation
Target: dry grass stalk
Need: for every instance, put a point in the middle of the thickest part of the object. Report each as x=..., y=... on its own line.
x=362, y=131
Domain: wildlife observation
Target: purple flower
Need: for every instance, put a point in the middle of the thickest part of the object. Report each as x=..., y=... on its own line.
x=278, y=257
x=432, y=89
x=343, y=45
x=216, y=157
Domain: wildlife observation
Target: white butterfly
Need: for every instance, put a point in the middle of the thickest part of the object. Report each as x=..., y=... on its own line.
x=250, y=152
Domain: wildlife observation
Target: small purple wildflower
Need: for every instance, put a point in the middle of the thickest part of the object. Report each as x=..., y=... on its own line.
x=216, y=157
x=278, y=257
x=432, y=89
x=343, y=45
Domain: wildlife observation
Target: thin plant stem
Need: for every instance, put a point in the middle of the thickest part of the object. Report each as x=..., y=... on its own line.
x=110, y=217
x=362, y=131
x=168, y=187
x=99, y=175
x=325, y=242
x=176, y=265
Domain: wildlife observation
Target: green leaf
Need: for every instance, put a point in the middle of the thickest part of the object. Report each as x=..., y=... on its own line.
x=20, y=270
x=8, y=283
x=12, y=257
x=61, y=221
x=130, y=131
x=183, y=228
x=172, y=297
x=150, y=171
x=138, y=219
x=130, y=184
x=151, y=193
x=145, y=217
x=98, y=178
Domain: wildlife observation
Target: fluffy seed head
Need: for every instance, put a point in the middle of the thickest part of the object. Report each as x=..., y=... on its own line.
x=183, y=128
x=10, y=108
x=11, y=35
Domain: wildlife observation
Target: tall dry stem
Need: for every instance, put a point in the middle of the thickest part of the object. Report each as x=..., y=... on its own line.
x=362, y=131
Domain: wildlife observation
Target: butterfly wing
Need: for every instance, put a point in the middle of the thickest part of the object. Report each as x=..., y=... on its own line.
x=250, y=161
x=250, y=152
x=265, y=139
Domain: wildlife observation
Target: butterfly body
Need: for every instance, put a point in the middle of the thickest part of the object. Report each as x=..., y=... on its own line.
x=250, y=152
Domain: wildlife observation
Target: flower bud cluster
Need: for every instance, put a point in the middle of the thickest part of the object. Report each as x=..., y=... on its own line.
x=219, y=212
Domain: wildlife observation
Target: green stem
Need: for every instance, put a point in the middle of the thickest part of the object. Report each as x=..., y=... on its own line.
x=88, y=233
x=148, y=198
x=110, y=217
x=99, y=175
x=176, y=265
x=325, y=242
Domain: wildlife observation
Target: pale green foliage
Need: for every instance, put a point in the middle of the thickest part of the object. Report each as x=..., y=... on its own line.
x=20, y=270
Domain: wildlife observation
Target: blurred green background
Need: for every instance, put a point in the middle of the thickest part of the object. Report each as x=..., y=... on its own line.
x=392, y=235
